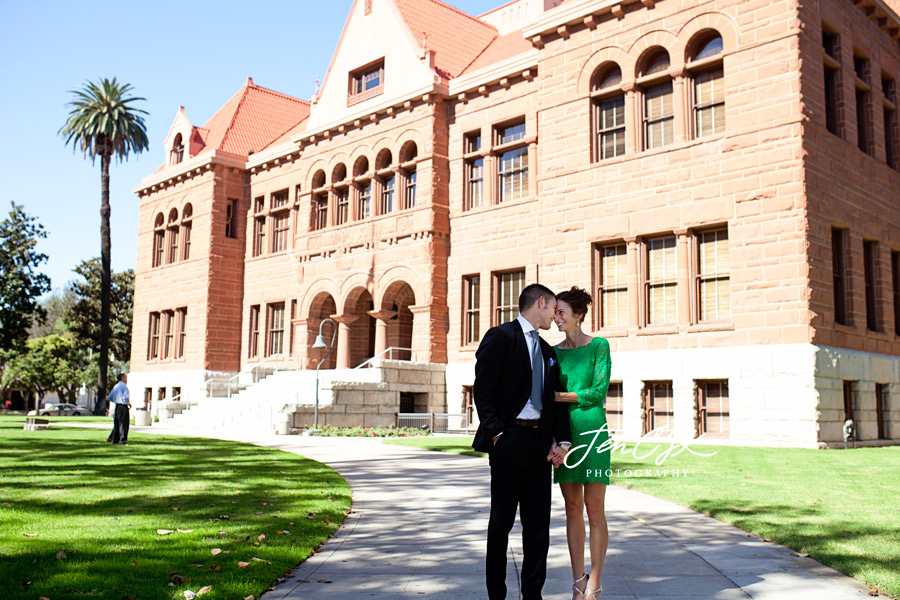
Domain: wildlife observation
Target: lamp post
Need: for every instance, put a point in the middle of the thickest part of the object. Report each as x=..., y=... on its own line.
x=318, y=345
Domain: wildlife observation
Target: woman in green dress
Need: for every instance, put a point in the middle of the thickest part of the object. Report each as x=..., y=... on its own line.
x=584, y=372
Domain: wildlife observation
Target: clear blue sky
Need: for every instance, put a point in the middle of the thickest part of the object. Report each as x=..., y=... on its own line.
x=196, y=54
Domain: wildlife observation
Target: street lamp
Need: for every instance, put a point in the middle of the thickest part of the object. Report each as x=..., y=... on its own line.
x=318, y=345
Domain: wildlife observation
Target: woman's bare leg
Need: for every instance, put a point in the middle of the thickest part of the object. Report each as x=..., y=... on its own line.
x=573, y=493
x=594, y=498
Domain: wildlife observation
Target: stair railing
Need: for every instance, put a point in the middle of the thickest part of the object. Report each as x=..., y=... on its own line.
x=390, y=352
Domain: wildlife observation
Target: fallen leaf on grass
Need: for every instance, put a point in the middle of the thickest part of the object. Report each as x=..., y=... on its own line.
x=214, y=569
x=164, y=531
x=24, y=585
x=216, y=551
x=311, y=516
x=873, y=591
x=178, y=579
x=223, y=533
x=30, y=534
x=248, y=597
x=184, y=530
x=767, y=539
x=133, y=564
x=224, y=517
x=259, y=512
x=320, y=580
x=129, y=597
x=60, y=487
x=61, y=555
x=204, y=590
x=175, y=508
x=261, y=537
x=243, y=565
x=284, y=532
x=7, y=505
x=802, y=554
x=197, y=565
x=260, y=560
x=327, y=521
x=46, y=598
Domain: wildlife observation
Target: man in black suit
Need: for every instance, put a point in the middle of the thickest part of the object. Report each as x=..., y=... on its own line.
x=520, y=426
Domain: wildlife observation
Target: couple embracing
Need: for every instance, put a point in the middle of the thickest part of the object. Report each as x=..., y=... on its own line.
x=533, y=400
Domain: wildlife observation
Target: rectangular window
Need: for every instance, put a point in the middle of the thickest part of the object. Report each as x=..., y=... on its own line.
x=870, y=273
x=153, y=343
x=713, y=275
x=279, y=199
x=514, y=174
x=832, y=83
x=661, y=281
x=838, y=254
x=709, y=102
x=862, y=120
x=890, y=138
x=659, y=409
x=881, y=391
x=830, y=43
x=366, y=83
x=409, y=196
x=186, y=240
x=387, y=195
x=231, y=218
x=659, y=116
x=181, y=323
x=609, y=124
x=612, y=285
x=472, y=311
x=281, y=226
x=259, y=204
x=158, y=246
x=472, y=142
x=474, y=183
x=510, y=133
x=291, y=327
x=342, y=199
x=173, y=245
x=614, y=407
x=254, y=331
x=259, y=236
x=364, y=200
x=895, y=272
x=507, y=287
x=712, y=409
x=276, y=329
x=849, y=393
x=320, y=211
x=169, y=329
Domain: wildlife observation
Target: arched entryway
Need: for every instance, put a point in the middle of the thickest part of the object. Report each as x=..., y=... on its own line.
x=322, y=307
x=397, y=317
x=362, y=327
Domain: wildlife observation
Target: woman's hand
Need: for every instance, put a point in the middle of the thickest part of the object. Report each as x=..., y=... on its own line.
x=565, y=397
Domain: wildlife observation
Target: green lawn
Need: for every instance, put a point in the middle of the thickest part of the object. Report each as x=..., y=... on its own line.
x=840, y=507
x=66, y=490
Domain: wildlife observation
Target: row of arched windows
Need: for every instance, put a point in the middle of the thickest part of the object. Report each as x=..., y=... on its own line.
x=365, y=191
x=172, y=237
x=650, y=103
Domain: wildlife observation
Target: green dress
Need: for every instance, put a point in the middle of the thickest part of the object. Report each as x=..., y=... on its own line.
x=585, y=371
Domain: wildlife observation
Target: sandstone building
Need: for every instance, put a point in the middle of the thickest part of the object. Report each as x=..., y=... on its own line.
x=722, y=175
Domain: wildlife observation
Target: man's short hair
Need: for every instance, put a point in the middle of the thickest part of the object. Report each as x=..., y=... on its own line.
x=531, y=293
x=120, y=376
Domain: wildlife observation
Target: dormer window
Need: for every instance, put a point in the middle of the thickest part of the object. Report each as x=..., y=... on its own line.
x=177, y=150
x=366, y=83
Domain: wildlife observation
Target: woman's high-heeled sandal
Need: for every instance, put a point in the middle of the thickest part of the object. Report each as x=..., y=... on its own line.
x=577, y=581
x=592, y=594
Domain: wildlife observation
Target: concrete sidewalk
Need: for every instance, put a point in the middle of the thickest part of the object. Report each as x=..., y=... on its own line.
x=417, y=529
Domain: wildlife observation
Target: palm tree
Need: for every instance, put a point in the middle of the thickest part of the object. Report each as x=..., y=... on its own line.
x=102, y=122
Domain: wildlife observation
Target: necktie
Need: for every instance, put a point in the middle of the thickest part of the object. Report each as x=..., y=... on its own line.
x=537, y=372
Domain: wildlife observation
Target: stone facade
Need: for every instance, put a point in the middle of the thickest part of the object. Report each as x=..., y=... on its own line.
x=517, y=118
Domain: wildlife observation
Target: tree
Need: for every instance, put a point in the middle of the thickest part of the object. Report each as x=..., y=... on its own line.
x=50, y=364
x=57, y=305
x=103, y=123
x=20, y=283
x=84, y=318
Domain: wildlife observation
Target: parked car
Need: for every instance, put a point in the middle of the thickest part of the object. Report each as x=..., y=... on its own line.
x=63, y=409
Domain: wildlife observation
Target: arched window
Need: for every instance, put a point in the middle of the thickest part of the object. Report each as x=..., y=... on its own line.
x=408, y=154
x=173, y=236
x=186, y=216
x=159, y=239
x=177, y=150
x=386, y=181
x=383, y=160
x=318, y=180
x=607, y=112
x=658, y=99
x=341, y=194
x=708, y=76
x=363, y=189
x=319, y=214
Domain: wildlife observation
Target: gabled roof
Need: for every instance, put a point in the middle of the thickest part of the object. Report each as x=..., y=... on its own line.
x=501, y=48
x=456, y=37
x=252, y=119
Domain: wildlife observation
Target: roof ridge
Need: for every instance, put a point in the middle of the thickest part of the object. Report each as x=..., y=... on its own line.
x=281, y=94
x=477, y=56
x=237, y=109
x=464, y=14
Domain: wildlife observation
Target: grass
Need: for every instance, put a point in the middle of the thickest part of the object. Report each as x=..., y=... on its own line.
x=840, y=507
x=102, y=505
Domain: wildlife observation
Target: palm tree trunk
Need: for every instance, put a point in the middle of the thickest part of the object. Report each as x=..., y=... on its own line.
x=105, y=276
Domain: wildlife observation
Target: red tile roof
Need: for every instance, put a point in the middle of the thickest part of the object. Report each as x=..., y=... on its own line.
x=503, y=47
x=252, y=119
x=456, y=37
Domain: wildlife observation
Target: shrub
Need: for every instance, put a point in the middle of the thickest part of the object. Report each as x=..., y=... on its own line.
x=388, y=431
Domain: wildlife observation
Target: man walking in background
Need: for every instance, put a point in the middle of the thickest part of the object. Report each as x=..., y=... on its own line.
x=121, y=399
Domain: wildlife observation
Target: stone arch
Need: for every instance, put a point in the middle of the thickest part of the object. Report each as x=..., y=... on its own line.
x=318, y=180
x=402, y=274
x=173, y=216
x=601, y=58
x=722, y=24
x=321, y=307
x=396, y=301
x=316, y=289
x=318, y=165
x=357, y=308
x=384, y=159
x=361, y=165
x=408, y=151
x=339, y=173
x=664, y=39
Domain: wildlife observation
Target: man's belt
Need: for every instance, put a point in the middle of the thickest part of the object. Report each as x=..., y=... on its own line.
x=527, y=423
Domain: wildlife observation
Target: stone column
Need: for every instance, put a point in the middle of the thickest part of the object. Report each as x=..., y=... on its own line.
x=343, y=341
x=632, y=111
x=633, y=264
x=381, y=328
x=429, y=322
x=302, y=342
x=680, y=108
x=683, y=274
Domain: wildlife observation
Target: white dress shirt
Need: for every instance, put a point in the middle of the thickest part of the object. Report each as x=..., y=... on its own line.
x=529, y=412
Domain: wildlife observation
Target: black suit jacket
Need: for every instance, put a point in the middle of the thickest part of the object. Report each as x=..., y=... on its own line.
x=503, y=386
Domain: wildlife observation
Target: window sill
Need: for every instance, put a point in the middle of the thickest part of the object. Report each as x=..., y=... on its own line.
x=658, y=330
x=468, y=348
x=487, y=207
x=355, y=99
x=711, y=326
x=612, y=332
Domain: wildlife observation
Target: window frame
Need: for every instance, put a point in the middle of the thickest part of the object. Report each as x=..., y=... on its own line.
x=231, y=219
x=648, y=285
x=700, y=278
x=870, y=278
x=253, y=341
x=471, y=306
x=840, y=284
x=153, y=337
x=364, y=199
x=649, y=414
x=181, y=328
x=496, y=284
x=603, y=290
x=168, y=334
x=358, y=79
x=273, y=332
x=281, y=231
x=703, y=409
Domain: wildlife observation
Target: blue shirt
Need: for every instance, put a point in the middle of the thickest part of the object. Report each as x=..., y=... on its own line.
x=119, y=394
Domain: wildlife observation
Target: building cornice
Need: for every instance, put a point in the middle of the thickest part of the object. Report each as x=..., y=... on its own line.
x=574, y=12
x=188, y=169
x=494, y=72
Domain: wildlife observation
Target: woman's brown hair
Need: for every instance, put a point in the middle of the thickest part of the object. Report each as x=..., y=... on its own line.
x=578, y=299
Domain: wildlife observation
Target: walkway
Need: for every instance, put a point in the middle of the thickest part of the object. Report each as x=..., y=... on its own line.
x=417, y=529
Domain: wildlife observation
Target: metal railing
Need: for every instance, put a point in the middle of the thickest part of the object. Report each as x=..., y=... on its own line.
x=436, y=422
x=232, y=384
x=390, y=352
